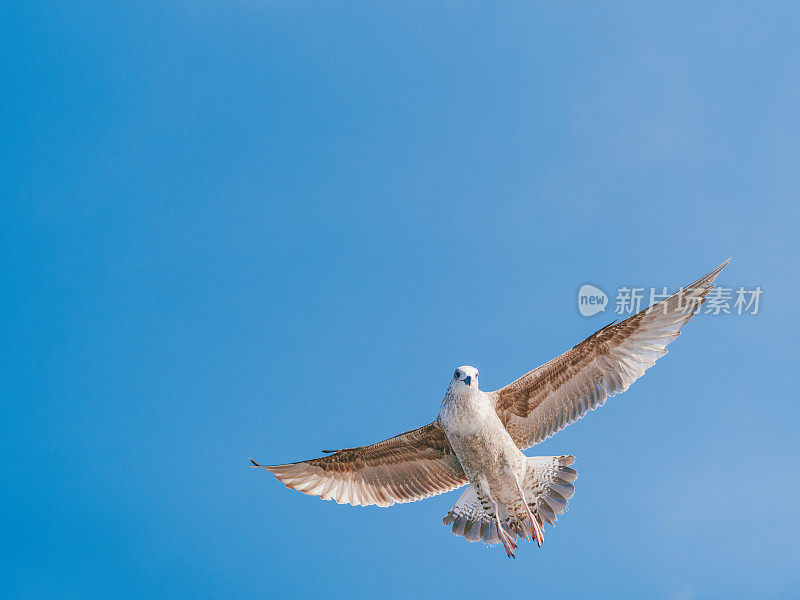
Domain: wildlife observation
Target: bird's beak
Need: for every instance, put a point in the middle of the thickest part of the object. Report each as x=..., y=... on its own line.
x=468, y=380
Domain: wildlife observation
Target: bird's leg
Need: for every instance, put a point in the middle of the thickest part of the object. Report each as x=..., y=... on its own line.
x=508, y=542
x=536, y=529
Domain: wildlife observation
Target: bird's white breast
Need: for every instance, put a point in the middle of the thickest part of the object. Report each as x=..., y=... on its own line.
x=466, y=412
x=478, y=437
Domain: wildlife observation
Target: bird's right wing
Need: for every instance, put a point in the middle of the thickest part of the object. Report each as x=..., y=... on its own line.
x=411, y=466
x=549, y=398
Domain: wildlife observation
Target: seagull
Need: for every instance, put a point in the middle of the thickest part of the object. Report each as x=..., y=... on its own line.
x=478, y=437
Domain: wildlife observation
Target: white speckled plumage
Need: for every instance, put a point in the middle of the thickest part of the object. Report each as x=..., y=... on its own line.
x=494, y=465
x=479, y=436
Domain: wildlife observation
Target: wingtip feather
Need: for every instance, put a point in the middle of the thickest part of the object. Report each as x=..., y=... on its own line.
x=713, y=274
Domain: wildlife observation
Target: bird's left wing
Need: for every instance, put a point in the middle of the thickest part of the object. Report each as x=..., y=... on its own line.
x=408, y=467
x=549, y=398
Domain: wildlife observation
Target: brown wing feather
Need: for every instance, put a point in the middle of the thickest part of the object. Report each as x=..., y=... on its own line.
x=549, y=398
x=408, y=467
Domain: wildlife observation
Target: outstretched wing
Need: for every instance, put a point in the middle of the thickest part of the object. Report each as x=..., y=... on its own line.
x=408, y=467
x=549, y=398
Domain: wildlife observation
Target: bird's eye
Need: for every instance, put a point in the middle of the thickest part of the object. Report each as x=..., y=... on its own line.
x=457, y=374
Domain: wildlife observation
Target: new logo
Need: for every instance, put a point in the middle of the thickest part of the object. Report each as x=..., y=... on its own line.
x=591, y=300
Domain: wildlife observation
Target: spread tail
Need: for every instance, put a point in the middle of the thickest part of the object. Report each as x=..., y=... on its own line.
x=547, y=486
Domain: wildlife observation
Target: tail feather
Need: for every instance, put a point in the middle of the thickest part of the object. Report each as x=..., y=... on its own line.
x=471, y=521
x=548, y=485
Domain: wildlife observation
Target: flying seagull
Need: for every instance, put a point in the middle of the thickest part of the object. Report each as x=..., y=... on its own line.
x=478, y=437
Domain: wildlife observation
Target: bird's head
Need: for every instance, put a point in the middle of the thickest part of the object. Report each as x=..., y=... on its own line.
x=464, y=377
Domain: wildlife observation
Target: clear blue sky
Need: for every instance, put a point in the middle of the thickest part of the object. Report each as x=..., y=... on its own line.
x=265, y=228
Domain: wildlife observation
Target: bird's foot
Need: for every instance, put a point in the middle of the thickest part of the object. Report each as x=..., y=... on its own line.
x=509, y=543
x=533, y=523
x=536, y=529
x=508, y=540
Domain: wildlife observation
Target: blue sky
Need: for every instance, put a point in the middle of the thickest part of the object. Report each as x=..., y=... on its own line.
x=265, y=228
